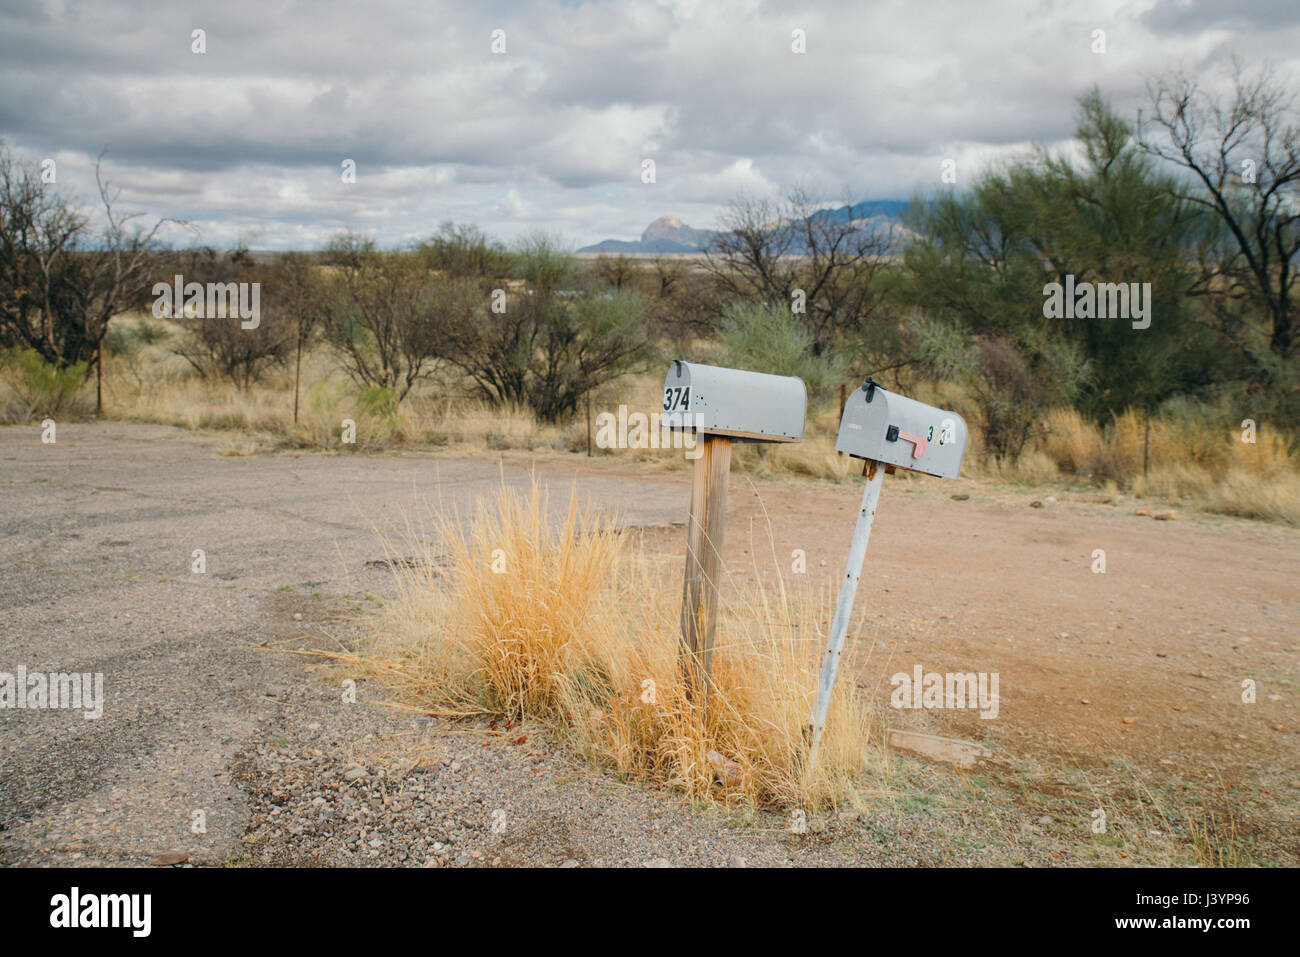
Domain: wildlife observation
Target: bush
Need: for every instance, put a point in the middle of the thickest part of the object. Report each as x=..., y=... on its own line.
x=771, y=339
x=582, y=634
x=39, y=388
x=384, y=314
x=549, y=346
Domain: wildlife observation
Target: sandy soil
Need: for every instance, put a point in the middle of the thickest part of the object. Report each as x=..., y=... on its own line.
x=1120, y=691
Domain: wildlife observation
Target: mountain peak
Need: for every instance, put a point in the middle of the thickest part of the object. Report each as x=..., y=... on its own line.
x=668, y=234
x=668, y=227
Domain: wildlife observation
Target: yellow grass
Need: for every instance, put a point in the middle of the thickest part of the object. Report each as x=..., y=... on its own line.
x=566, y=623
x=1191, y=463
x=1218, y=471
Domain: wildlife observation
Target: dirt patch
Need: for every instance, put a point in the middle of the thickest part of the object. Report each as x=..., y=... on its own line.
x=1130, y=678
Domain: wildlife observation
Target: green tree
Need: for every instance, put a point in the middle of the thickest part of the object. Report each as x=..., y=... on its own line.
x=987, y=260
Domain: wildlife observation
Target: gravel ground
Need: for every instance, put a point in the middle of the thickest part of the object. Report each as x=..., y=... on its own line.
x=354, y=785
x=216, y=748
x=97, y=534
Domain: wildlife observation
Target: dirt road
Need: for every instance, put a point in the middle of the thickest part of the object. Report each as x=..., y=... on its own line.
x=98, y=533
x=1120, y=689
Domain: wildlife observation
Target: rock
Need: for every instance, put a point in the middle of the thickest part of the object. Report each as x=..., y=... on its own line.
x=570, y=863
x=848, y=817
x=726, y=770
x=1168, y=515
x=297, y=616
x=660, y=862
x=736, y=861
x=1130, y=720
x=1035, y=504
x=1143, y=511
x=961, y=497
x=1050, y=500
x=354, y=773
x=1045, y=819
x=168, y=858
x=964, y=754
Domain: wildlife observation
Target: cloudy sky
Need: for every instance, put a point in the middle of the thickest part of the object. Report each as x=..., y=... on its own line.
x=247, y=139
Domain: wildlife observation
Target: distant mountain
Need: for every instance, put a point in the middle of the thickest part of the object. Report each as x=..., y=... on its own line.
x=668, y=234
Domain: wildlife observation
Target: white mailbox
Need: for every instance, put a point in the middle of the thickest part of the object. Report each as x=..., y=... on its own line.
x=897, y=432
x=733, y=402
x=892, y=429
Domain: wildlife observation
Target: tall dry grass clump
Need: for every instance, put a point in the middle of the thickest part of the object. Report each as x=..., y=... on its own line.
x=560, y=619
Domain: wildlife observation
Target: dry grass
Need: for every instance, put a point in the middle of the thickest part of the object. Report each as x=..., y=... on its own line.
x=1192, y=463
x=1188, y=463
x=566, y=623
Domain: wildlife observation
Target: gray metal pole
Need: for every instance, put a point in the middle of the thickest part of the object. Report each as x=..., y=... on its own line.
x=844, y=607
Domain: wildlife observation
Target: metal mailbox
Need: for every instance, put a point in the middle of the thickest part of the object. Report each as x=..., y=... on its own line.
x=897, y=432
x=886, y=427
x=733, y=402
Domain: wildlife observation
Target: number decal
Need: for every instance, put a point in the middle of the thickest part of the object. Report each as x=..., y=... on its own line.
x=677, y=399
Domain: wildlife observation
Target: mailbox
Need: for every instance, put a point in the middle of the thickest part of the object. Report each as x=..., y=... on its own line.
x=895, y=430
x=744, y=405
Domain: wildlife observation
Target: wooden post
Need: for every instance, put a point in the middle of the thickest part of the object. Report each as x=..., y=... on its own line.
x=588, y=425
x=704, y=541
x=844, y=398
x=297, y=377
x=1146, y=443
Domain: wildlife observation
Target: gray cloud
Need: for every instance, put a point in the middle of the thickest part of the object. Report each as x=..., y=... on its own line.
x=249, y=136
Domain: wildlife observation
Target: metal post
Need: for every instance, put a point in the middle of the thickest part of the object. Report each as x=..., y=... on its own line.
x=844, y=606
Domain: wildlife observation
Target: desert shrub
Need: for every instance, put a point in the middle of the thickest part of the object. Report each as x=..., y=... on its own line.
x=561, y=622
x=384, y=314
x=772, y=339
x=38, y=388
x=549, y=346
